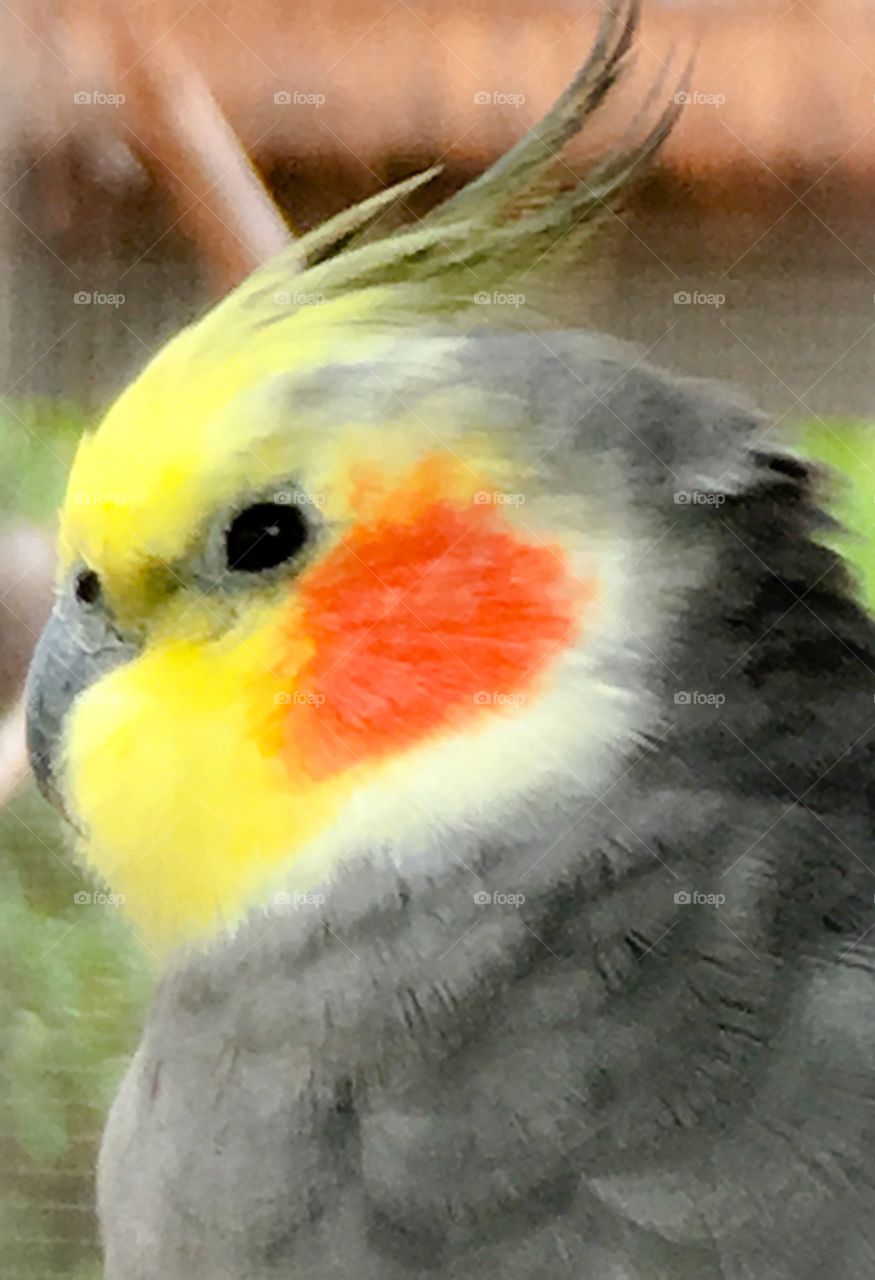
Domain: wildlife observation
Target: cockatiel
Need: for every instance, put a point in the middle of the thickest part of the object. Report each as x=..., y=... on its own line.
x=471, y=714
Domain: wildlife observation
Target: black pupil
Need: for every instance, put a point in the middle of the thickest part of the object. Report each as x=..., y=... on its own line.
x=87, y=587
x=264, y=535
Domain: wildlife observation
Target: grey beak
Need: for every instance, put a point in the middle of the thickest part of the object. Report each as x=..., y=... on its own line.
x=77, y=647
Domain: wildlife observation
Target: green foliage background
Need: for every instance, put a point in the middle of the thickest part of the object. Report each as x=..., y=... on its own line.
x=847, y=451
x=75, y=982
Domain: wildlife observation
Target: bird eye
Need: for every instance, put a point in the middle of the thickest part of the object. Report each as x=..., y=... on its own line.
x=87, y=587
x=263, y=536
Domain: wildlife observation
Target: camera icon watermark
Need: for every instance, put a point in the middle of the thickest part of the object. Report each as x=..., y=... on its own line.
x=297, y=698
x=694, y=98
x=698, y=498
x=498, y=299
x=498, y=98
x=297, y=98
x=98, y=99
x=495, y=698
x=296, y=498
x=296, y=298
x=694, y=298
x=692, y=898
x=85, y=298
x=483, y=898
x=83, y=899
x=487, y=498
x=694, y=698
x=298, y=901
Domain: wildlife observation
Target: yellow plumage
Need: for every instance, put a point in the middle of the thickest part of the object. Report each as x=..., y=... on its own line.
x=336, y=387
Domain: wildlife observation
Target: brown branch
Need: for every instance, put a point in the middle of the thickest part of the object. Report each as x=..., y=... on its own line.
x=224, y=204
x=13, y=754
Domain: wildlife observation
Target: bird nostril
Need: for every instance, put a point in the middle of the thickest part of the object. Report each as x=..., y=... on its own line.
x=87, y=587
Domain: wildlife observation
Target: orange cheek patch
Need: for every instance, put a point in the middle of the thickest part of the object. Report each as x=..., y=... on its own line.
x=411, y=621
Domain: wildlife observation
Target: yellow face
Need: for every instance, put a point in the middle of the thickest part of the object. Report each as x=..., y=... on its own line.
x=295, y=627
x=270, y=704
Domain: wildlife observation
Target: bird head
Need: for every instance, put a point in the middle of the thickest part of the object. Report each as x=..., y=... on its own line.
x=344, y=567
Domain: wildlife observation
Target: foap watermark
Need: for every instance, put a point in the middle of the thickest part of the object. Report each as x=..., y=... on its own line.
x=692, y=898
x=695, y=698
x=299, y=98
x=295, y=698
x=487, y=498
x=498, y=299
x=694, y=298
x=695, y=98
x=97, y=98
x=296, y=498
x=298, y=901
x=498, y=98
x=285, y=298
x=483, y=898
x=698, y=498
x=495, y=698
x=85, y=298
x=83, y=899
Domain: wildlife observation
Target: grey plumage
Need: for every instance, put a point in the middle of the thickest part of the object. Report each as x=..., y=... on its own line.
x=611, y=1022
x=602, y=1081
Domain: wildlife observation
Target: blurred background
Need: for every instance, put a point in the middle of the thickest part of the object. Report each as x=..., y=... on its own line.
x=154, y=152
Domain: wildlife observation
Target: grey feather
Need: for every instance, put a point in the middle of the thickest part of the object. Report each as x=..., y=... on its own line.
x=604, y=1082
